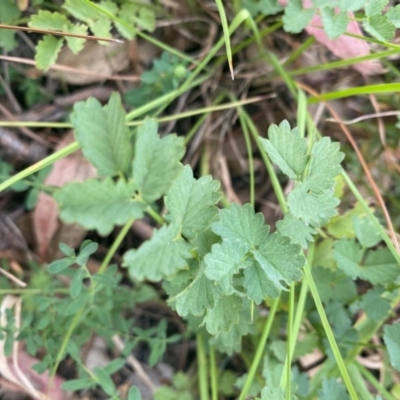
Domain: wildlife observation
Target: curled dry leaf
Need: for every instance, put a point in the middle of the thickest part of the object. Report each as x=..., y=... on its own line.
x=344, y=47
x=73, y=168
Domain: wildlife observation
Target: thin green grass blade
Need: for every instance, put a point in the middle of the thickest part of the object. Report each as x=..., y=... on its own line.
x=225, y=29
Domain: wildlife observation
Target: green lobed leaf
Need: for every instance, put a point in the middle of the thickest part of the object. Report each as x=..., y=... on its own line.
x=314, y=209
x=379, y=267
x=296, y=229
x=242, y=224
x=380, y=27
x=280, y=260
x=225, y=260
x=374, y=7
x=157, y=161
x=81, y=10
x=164, y=254
x=224, y=314
x=332, y=390
x=204, y=242
x=391, y=336
x=365, y=230
x=335, y=24
x=334, y=285
x=351, y=6
x=393, y=15
x=191, y=202
x=258, y=285
x=76, y=44
x=47, y=52
x=197, y=297
x=375, y=306
x=269, y=7
x=287, y=149
x=103, y=134
x=9, y=11
x=273, y=393
x=48, y=21
x=296, y=18
x=98, y=204
x=324, y=165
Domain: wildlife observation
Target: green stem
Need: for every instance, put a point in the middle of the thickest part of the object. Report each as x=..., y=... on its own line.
x=214, y=374
x=329, y=333
x=202, y=367
x=260, y=349
x=117, y=242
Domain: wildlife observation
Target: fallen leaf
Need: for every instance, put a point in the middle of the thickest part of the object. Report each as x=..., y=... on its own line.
x=73, y=168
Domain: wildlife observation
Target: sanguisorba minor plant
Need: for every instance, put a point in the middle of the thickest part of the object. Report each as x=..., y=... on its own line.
x=216, y=264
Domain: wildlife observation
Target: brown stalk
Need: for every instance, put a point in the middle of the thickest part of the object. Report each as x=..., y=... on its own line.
x=362, y=162
x=58, y=33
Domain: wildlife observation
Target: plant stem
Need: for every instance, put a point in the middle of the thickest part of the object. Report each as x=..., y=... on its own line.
x=260, y=349
x=202, y=367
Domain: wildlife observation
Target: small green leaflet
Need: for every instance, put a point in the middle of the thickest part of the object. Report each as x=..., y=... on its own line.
x=157, y=161
x=296, y=18
x=242, y=224
x=47, y=52
x=379, y=266
x=287, y=149
x=98, y=204
x=163, y=255
x=335, y=24
x=299, y=232
x=197, y=297
x=332, y=390
x=379, y=27
x=191, y=202
x=375, y=306
x=48, y=21
x=394, y=16
x=103, y=135
x=391, y=336
x=324, y=165
x=365, y=230
x=257, y=284
x=224, y=314
x=224, y=261
x=313, y=209
x=374, y=7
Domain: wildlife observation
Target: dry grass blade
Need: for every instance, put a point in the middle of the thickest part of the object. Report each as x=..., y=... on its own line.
x=57, y=33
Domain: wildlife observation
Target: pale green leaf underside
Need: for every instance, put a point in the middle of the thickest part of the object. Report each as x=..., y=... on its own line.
x=47, y=52
x=296, y=18
x=334, y=24
x=98, y=204
x=157, y=161
x=191, y=202
x=103, y=135
x=161, y=256
x=224, y=314
x=286, y=149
